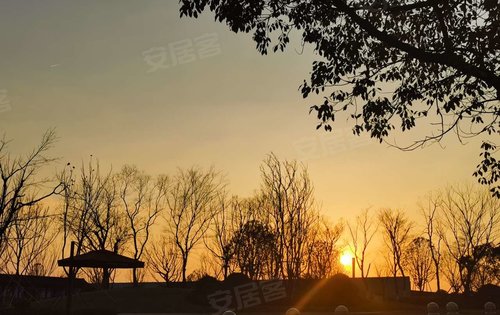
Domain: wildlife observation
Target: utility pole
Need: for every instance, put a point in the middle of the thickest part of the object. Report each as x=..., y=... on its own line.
x=353, y=267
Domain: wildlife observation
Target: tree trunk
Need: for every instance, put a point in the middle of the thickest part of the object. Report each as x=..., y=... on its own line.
x=226, y=270
x=105, y=278
x=184, y=267
x=438, y=282
x=134, y=277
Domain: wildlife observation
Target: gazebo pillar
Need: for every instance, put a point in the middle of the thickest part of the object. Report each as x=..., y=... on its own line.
x=105, y=278
x=71, y=276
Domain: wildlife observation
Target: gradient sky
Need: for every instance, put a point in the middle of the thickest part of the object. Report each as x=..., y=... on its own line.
x=78, y=66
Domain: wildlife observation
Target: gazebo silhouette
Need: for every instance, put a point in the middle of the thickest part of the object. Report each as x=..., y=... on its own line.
x=104, y=259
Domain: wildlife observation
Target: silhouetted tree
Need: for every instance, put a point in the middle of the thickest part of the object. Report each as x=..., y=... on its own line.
x=232, y=214
x=429, y=210
x=417, y=260
x=19, y=185
x=30, y=236
x=288, y=197
x=470, y=217
x=224, y=225
x=451, y=273
x=91, y=215
x=254, y=245
x=396, y=228
x=164, y=261
x=361, y=233
x=142, y=199
x=388, y=63
x=322, y=250
x=488, y=271
x=210, y=266
x=191, y=205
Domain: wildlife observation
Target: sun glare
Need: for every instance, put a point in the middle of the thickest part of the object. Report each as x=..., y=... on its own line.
x=346, y=258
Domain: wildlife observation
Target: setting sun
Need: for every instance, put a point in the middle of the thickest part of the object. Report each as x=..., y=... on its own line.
x=346, y=258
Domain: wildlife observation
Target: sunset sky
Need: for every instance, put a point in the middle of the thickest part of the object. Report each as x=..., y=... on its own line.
x=82, y=67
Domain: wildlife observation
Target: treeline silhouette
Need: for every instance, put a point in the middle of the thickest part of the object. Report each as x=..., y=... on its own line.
x=278, y=233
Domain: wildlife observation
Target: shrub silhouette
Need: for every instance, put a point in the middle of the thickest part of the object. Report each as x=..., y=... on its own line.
x=203, y=288
x=235, y=279
x=490, y=291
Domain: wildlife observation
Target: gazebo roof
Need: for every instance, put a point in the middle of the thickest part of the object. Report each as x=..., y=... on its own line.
x=101, y=259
